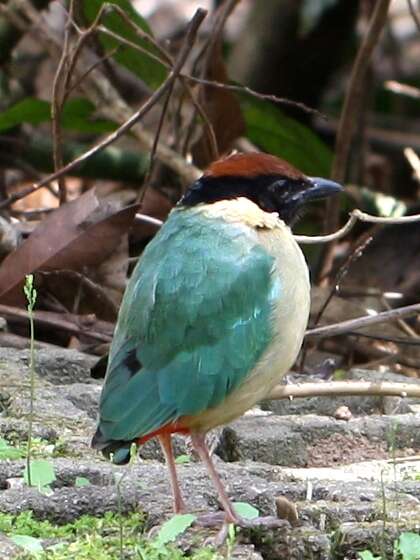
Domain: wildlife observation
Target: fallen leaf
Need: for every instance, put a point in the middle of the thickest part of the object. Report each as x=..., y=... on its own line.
x=78, y=234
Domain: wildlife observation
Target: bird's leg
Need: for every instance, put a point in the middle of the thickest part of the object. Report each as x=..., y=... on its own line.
x=199, y=443
x=230, y=516
x=166, y=445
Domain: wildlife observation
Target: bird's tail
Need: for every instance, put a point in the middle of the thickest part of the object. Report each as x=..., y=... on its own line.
x=118, y=450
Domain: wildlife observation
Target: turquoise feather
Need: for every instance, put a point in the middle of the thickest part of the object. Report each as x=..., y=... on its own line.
x=196, y=315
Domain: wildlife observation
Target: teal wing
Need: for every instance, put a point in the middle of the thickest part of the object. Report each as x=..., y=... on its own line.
x=195, y=318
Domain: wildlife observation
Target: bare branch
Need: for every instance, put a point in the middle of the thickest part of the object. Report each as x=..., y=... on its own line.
x=354, y=217
x=402, y=89
x=257, y=94
x=361, y=322
x=62, y=76
x=344, y=388
x=313, y=239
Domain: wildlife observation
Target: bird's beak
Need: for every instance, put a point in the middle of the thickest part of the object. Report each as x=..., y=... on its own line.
x=320, y=188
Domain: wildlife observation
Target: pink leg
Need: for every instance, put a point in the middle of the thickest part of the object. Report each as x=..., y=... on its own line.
x=199, y=443
x=166, y=445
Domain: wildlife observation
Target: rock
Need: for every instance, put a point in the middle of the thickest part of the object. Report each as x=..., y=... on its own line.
x=245, y=552
x=151, y=449
x=327, y=516
x=292, y=458
x=343, y=413
x=13, y=429
x=52, y=407
x=57, y=365
x=317, y=441
x=379, y=539
x=295, y=544
x=84, y=396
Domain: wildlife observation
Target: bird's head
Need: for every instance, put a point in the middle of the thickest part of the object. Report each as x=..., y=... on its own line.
x=271, y=183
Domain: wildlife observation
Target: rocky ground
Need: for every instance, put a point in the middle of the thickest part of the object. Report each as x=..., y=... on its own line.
x=354, y=482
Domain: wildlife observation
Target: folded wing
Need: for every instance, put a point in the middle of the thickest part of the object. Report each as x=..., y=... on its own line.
x=194, y=321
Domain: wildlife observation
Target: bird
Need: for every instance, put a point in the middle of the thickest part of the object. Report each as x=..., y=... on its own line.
x=214, y=313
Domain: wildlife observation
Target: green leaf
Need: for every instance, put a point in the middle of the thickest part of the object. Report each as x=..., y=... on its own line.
x=269, y=128
x=367, y=555
x=42, y=473
x=245, y=510
x=182, y=459
x=147, y=69
x=77, y=115
x=9, y=452
x=81, y=481
x=409, y=546
x=174, y=527
x=29, y=110
x=31, y=544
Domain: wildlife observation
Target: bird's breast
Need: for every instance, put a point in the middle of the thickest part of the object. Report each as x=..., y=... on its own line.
x=289, y=320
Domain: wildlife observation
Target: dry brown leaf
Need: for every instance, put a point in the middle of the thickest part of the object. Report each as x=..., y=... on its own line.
x=78, y=234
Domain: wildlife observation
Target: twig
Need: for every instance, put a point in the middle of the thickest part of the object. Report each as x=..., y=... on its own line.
x=348, y=119
x=167, y=62
x=208, y=49
x=341, y=388
x=86, y=73
x=73, y=324
x=129, y=123
x=152, y=160
x=395, y=339
x=58, y=97
x=148, y=220
x=102, y=94
x=354, y=217
x=257, y=94
x=164, y=58
x=414, y=14
x=343, y=270
x=403, y=324
x=84, y=282
x=313, y=239
x=414, y=161
x=354, y=255
x=402, y=89
x=361, y=322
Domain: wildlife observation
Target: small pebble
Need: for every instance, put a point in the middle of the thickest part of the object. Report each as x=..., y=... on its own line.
x=343, y=413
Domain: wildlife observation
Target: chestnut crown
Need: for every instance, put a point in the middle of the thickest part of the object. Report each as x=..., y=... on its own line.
x=271, y=183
